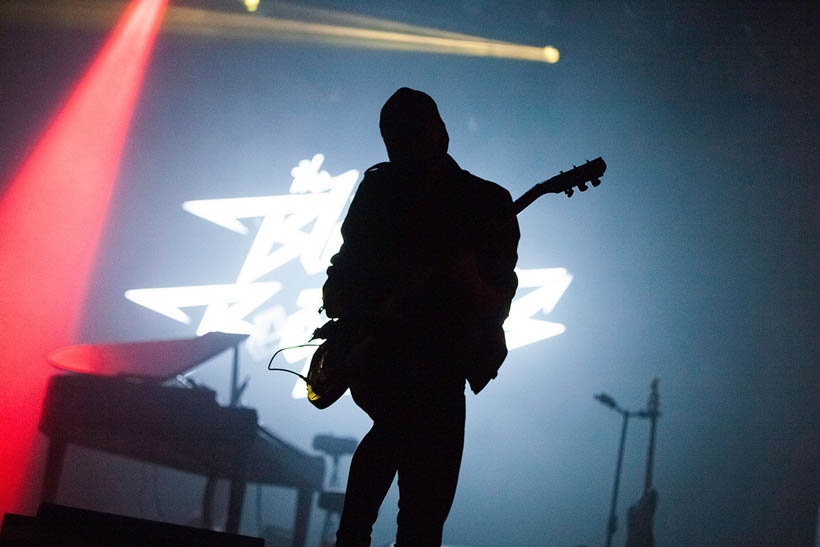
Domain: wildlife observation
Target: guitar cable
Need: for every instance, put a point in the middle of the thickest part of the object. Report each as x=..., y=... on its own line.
x=286, y=369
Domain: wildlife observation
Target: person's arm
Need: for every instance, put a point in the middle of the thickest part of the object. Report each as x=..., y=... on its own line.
x=491, y=299
x=497, y=256
x=494, y=282
x=348, y=288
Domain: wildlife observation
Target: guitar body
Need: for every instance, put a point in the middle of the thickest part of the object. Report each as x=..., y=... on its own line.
x=322, y=391
x=335, y=363
x=329, y=372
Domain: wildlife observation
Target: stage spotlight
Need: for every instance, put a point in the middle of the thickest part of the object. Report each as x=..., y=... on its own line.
x=551, y=54
x=323, y=26
x=52, y=215
x=194, y=21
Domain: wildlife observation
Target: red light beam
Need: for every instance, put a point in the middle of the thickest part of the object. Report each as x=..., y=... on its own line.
x=51, y=218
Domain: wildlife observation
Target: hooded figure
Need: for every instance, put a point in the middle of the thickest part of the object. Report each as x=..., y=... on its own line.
x=425, y=276
x=414, y=133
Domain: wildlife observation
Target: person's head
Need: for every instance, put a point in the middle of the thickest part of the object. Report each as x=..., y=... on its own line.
x=413, y=131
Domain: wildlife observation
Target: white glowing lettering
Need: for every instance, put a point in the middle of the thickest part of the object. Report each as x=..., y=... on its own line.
x=227, y=305
x=305, y=224
x=543, y=287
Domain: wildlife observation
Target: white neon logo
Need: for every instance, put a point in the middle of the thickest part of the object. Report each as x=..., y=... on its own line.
x=315, y=197
x=227, y=305
x=305, y=224
x=544, y=288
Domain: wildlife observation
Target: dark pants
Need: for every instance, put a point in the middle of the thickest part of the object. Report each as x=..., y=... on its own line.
x=422, y=440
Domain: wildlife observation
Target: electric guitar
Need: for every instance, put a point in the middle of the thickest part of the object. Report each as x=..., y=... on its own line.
x=329, y=371
x=640, y=516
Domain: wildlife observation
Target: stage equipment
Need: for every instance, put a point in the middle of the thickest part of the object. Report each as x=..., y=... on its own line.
x=640, y=516
x=131, y=414
x=344, y=344
x=61, y=526
x=608, y=401
x=333, y=498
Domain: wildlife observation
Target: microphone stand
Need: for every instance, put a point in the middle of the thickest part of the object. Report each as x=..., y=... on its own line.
x=606, y=400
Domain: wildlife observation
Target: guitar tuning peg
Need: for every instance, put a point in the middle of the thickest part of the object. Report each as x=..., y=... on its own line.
x=596, y=182
x=582, y=187
x=586, y=160
x=569, y=192
x=574, y=166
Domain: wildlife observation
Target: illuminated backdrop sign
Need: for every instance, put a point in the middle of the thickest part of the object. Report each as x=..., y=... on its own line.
x=306, y=225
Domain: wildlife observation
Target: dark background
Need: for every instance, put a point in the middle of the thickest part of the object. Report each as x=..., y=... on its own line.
x=696, y=260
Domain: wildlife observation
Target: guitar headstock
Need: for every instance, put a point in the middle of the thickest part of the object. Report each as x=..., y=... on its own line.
x=577, y=177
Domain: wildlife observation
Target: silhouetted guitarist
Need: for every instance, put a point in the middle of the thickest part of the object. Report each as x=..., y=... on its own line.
x=427, y=281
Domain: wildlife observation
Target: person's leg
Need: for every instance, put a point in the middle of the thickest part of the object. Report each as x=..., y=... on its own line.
x=372, y=470
x=428, y=475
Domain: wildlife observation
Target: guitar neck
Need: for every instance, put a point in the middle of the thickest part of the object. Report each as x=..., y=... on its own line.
x=526, y=199
x=577, y=177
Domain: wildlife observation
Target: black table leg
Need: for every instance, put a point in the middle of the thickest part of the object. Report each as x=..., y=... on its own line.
x=237, y=497
x=54, y=467
x=300, y=521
